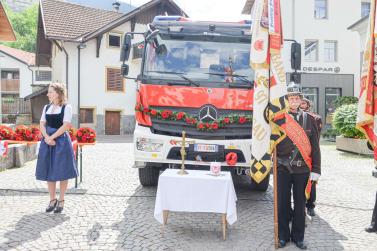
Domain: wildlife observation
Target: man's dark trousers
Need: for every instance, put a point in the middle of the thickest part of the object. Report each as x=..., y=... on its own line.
x=285, y=182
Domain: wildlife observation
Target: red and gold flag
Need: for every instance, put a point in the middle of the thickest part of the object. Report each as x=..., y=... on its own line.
x=270, y=84
x=367, y=106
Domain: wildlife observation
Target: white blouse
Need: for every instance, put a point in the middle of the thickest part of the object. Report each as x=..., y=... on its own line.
x=56, y=109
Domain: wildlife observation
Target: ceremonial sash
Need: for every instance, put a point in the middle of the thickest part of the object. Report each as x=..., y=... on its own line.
x=299, y=138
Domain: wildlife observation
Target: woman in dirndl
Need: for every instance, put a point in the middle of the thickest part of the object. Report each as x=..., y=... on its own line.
x=56, y=161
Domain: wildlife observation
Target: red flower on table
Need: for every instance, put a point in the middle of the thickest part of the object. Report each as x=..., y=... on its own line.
x=242, y=120
x=180, y=115
x=208, y=125
x=153, y=112
x=226, y=120
x=138, y=107
x=146, y=110
x=79, y=133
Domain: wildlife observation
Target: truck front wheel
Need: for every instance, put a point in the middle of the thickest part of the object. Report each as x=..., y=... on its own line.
x=262, y=186
x=148, y=176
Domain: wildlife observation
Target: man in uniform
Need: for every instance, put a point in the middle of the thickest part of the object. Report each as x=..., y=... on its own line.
x=298, y=161
x=310, y=204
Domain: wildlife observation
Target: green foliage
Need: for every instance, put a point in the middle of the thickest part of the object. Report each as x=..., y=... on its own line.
x=344, y=121
x=25, y=27
x=345, y=100
x=330, y=133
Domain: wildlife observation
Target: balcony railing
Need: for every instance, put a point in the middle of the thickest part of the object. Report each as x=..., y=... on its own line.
x=10, y=86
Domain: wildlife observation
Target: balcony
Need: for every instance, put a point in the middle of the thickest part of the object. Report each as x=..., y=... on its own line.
x=10, y=86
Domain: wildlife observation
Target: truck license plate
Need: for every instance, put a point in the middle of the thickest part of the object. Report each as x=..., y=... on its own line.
x=206, y=148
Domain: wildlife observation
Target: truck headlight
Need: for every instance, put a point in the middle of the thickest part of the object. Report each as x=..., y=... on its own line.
x=149, y=145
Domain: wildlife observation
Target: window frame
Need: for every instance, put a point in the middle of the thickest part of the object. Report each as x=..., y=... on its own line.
x=326, y=9
x=114, y=33
x=317, y=50
x=94, y=109
x=361, y=9
x=107, y=68
x=335, y=51
x=37, y=74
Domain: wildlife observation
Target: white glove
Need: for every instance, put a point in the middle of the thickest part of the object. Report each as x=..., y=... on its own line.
x=314, y=176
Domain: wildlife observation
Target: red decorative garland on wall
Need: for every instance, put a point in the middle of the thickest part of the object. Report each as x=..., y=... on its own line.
x=167, y=114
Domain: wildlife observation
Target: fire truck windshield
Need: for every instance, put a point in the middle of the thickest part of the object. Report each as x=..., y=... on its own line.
x=217, y=61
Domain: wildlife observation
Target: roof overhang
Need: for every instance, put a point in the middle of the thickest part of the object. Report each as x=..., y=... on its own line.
x=361, y=22
x=6, y=30
x=126, y=18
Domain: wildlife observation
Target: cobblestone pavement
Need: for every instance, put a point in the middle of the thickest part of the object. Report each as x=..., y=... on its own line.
x=111, y=211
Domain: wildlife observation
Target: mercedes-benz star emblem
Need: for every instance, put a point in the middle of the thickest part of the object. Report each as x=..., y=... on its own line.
x=208, y=114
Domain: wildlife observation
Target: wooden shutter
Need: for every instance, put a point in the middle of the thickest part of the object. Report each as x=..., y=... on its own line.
x=114, y=80
x=86, y=115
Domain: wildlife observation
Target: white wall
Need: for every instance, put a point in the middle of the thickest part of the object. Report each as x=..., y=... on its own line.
x=341, y=14
x=93, y=75
x=9, y=63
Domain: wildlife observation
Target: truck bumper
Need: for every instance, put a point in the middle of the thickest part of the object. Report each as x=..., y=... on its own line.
x=154, y=148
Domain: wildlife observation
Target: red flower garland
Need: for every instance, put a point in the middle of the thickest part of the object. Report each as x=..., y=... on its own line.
x=184, y=117
x=24, y=133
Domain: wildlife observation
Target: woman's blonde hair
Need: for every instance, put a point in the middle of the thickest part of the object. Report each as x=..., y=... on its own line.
x=61, y=90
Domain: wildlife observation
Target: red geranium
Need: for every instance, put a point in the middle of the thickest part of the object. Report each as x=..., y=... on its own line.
x=145, y=110
x=226, y=120
x=180, y=115
x=72, y=133
x=24, y=133
x=153, y=112
x=138, y=107
x=242, y=120
x=86, y=135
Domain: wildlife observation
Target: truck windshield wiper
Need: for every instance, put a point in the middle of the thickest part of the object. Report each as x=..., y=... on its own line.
x=179, y=74
x=241, y=77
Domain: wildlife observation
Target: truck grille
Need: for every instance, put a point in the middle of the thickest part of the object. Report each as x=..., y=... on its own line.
x=175, y=128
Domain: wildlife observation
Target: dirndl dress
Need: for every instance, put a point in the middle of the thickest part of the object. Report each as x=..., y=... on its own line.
x=56, y=163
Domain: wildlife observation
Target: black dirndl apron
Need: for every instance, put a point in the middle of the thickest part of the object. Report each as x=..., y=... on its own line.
x=56, y=163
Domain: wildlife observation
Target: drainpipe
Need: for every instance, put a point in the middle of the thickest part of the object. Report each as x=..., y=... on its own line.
x=293, y=19
x=32, y=75
x=66, y=69
x=79, y=47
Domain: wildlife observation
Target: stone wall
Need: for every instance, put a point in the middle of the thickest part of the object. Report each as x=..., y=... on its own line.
x=18, y=155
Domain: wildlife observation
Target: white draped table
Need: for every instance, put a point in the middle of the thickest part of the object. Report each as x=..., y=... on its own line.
x=198, y=191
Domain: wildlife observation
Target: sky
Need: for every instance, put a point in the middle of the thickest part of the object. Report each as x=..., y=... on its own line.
x=211, y=10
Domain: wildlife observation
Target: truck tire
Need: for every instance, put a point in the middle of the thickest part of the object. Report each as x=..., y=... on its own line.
x=262, y=186
x=148, y=176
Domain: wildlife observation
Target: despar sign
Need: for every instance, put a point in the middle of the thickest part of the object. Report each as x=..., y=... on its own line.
x=321, y=69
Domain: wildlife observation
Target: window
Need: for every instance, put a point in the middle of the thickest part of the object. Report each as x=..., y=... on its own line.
x=330, y=51
x=365, y=9
x=137, y=50
x=114, y=40
x=311, y=93
x=114, y=80
x=331, y=94
x=43, y=76
x=87, y=115
x=320, y=9
x=311, y=50
x=10, y=75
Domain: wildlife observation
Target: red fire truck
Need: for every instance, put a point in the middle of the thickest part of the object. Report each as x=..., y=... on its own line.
x=194, y=77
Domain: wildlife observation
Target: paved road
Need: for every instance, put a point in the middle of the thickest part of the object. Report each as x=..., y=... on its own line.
x=111, y=211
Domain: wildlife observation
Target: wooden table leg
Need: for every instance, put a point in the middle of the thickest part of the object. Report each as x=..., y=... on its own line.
x=223, y=217
x=165, y=214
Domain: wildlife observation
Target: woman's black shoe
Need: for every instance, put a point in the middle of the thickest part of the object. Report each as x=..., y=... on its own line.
x=59, y=207
x=282, y=243
x=51, y=205
x=301, y=245
x=371, y=229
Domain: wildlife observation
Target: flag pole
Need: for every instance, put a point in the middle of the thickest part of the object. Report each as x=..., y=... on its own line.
x=276, y=222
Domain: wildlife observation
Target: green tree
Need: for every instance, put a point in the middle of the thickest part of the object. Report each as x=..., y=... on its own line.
x=25, y=27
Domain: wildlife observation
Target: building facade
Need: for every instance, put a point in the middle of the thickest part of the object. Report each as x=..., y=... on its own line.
x=330, y=51
x=86, y=57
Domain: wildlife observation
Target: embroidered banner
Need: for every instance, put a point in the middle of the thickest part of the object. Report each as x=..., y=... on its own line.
x=367, y=106
x=269, y=92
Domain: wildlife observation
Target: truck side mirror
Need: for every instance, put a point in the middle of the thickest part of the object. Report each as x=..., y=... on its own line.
x=124, y=70
x=126, y=48
x=296, y=56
